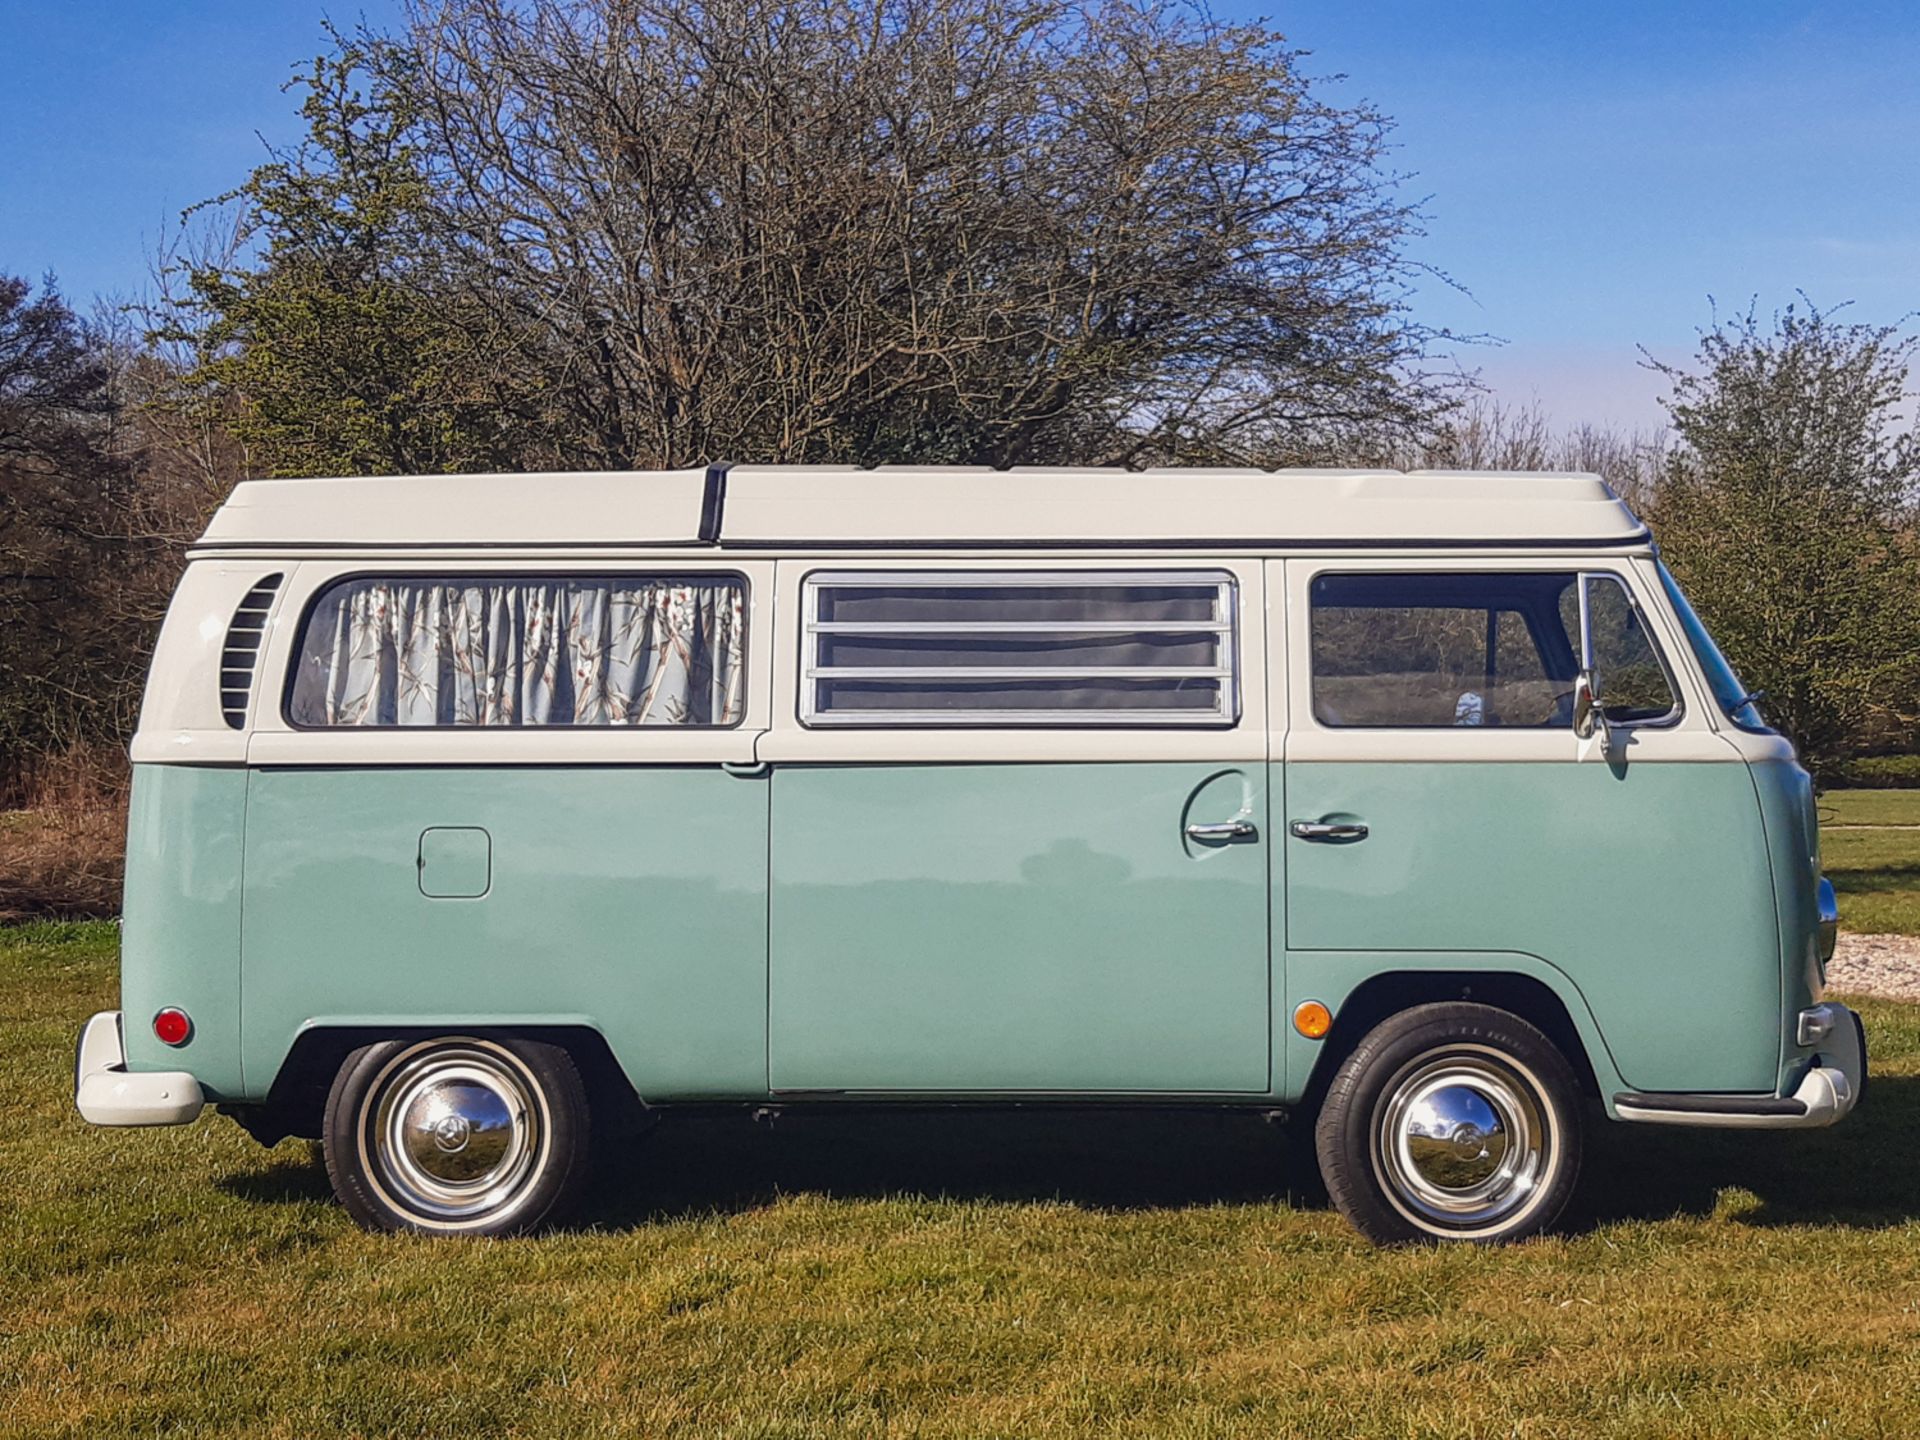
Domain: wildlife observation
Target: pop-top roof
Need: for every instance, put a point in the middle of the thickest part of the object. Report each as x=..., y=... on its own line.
x=809, y=506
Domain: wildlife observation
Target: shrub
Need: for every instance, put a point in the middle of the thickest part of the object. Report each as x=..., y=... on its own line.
x=1882, y=772
x=62, y=852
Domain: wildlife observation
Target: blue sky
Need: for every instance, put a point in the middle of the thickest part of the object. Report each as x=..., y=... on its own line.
x=1593, y=172
x=1598, y=170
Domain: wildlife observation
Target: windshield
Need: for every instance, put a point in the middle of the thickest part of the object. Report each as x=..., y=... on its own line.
x=1727, y=689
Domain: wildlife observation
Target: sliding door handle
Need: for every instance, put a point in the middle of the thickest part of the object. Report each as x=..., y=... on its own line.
x=1223, y=830
x=1328, y=830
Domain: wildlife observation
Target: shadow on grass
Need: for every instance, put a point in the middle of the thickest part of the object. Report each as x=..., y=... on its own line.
x=1874, y=879
x=293, y=1175
x=702, y=1163
x=1864, y=1173
x=1096, y=1159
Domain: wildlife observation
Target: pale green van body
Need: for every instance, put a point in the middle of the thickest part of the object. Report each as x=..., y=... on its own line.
x=779, y=913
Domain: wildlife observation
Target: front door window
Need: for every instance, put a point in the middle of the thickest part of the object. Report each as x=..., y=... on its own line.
x=1432, y=650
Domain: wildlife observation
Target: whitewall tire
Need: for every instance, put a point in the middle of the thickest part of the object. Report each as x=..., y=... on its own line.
x=457, y=1135
x=1452, y=1122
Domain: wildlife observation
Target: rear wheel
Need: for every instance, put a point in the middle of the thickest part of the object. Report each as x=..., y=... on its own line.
x=1451, y=1122
x=457, y=1135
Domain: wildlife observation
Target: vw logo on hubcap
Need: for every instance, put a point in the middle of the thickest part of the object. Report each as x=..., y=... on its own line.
x=450, y=1133
x=1469, y=1141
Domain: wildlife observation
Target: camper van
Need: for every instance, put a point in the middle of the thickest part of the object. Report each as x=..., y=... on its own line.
x=476, y=816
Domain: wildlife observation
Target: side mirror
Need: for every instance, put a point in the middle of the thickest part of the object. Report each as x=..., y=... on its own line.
x=1588, y=713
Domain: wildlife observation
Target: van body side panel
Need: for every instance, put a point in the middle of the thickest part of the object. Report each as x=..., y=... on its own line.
x=631, y=897
x=180, y=920
x=1647, y=884
x=1793, y=842
x=1019, y=928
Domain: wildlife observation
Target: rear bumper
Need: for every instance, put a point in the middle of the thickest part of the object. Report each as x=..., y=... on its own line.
x=1829, y=1090
x=107, y=1093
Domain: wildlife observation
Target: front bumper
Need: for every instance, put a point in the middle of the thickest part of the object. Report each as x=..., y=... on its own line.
x=1825, y=1095
x=107, y=1093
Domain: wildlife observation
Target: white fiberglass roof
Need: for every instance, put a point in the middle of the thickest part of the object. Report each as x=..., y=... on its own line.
x=817, y=506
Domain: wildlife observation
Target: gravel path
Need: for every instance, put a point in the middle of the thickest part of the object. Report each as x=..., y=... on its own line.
x=1886, y=965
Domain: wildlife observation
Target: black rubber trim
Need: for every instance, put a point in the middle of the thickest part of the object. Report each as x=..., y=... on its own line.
x=713, y=503
x=1712, y=1104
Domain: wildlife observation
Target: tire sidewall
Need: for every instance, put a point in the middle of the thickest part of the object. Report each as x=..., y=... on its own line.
x=555, y=1174
x=1348, y=1142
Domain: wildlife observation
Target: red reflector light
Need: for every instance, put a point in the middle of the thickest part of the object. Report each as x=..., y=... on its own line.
x=173, y=1027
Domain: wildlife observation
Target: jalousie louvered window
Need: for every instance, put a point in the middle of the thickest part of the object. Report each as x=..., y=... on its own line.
x=240, y=656
x=1019, y=648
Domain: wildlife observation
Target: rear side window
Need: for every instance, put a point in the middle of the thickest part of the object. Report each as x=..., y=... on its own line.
x=522, y=650
x=1420, y=651
x=1025, y=648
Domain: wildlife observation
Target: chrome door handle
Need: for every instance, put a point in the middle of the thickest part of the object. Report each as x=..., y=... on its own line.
x=1223, y=830
x=1326, y=830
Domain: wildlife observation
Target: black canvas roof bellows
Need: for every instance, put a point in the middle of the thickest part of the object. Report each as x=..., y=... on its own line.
x=713, y=503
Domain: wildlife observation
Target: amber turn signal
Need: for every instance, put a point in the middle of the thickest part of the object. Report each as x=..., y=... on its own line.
x=1312, y=1019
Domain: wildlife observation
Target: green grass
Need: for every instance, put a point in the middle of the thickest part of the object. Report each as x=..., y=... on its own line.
x=1876, y=871
x=1015, y=1275
x=1870, y=807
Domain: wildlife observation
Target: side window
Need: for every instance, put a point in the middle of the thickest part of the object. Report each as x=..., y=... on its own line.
x=1634, y=686
x=522, y=650
x=1428, y=650
x=1028, y=648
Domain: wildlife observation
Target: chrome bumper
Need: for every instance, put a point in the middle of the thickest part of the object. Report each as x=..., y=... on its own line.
x=1829, y=1090
x=107, y=1093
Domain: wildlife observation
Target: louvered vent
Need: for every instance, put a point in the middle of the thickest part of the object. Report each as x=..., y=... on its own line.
x=242, y=651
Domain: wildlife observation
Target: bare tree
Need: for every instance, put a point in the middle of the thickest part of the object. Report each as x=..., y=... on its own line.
x=1631, y=461
x=1484, y=433
x=59, y=483
x=170, y=375
x=97, y=503
x=967, y=230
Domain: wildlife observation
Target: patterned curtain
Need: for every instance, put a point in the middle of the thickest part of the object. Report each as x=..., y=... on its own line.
x=586, y=651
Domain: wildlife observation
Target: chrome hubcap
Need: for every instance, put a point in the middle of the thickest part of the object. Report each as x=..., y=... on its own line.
x=1462, y=1141
x=455, y=1131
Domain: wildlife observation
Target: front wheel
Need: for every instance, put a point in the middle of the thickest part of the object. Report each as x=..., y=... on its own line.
x=457, y=1135
x=1451, y=1122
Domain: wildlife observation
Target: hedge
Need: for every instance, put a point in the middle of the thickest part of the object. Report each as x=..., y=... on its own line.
x=1882, y=772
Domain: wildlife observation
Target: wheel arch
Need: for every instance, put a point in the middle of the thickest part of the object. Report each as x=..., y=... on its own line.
x=1529, y=997
x=296, y=1101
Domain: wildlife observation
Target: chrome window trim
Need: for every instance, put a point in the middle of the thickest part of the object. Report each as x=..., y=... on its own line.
x=1019, y=627
x=1224, y=623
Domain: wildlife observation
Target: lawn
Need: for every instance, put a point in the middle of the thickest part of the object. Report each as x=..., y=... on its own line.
x=1875, y=868
x=1870, y=807
x=1026, y=1276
